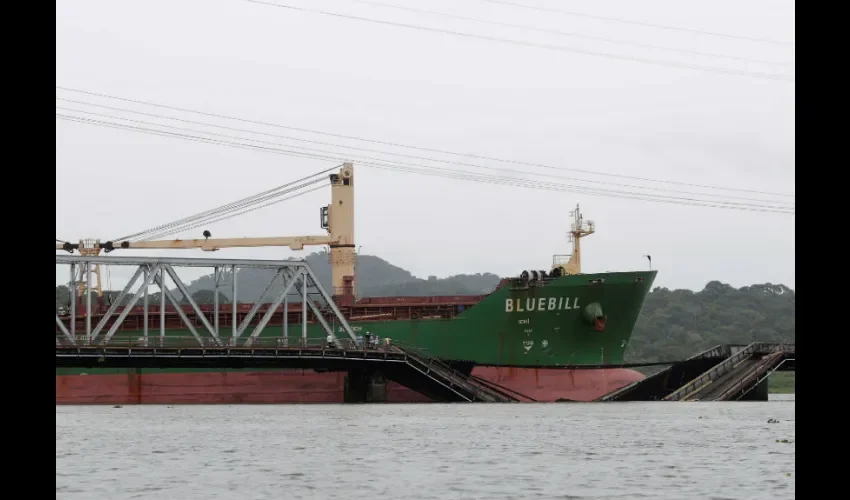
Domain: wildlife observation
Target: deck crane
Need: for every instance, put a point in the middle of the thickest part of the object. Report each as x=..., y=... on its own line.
x=337, y=219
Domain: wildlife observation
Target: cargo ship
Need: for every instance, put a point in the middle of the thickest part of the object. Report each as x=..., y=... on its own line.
x=519, y=336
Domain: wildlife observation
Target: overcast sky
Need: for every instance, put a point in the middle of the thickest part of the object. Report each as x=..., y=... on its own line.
x=432, y=90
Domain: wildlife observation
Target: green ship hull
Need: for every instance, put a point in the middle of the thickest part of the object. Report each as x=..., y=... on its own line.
x=570, y=320
x=534, y=326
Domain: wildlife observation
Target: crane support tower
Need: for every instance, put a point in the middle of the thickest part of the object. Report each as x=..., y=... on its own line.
x=337, y=219
x=81, y=279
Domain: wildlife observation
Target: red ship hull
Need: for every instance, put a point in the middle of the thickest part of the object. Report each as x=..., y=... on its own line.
x=306, y=386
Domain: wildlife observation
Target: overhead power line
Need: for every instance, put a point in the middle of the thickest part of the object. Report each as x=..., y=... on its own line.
x=636, y=23
x=323, y=152
x=514, y=171
x=564, y=33
x=419, y=148
x=560, y=48
x=562, y=188
x=450, y=173
x=361, y=158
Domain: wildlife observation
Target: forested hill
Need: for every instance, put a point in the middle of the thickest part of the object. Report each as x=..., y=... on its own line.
x=375, y=278
x=673, y=324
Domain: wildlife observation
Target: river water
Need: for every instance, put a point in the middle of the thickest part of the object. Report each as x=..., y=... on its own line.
x=428, y=451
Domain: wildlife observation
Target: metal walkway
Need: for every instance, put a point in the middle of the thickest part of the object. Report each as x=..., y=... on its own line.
x=717, y=374
x=81, y=344
x=733, y=378
x=659, y=385
x=467, y=387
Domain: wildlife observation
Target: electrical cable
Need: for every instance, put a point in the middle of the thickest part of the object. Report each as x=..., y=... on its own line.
x=636, y=23
x=514, y=171
x=259, y=197
x=574, y=187
x=431, y=150
x=450, y=174
x=567, y=34
x=560, y=48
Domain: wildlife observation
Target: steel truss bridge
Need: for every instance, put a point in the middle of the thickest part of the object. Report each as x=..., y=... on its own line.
x=723, y=373
x=82, y=343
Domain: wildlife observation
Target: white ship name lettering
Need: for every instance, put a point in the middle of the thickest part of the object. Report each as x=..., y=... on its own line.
x=541, y=304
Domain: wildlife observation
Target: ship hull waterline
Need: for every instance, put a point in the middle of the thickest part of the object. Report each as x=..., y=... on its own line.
x=146, y=386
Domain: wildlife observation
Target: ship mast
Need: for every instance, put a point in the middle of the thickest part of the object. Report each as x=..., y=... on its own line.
x=579, y=228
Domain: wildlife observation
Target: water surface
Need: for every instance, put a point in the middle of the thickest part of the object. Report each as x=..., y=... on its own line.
x=427, y=451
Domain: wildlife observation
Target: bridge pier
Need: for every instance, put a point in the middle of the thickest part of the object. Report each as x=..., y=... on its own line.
x=365, y=386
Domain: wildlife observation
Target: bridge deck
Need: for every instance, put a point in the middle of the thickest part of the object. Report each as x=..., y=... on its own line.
x=721, y=373
x=740, y=380
x=664, y=382
x=84, y=343
x=735, y=376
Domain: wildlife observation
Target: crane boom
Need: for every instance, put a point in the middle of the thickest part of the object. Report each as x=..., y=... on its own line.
x=337, y=218
x=213, y=244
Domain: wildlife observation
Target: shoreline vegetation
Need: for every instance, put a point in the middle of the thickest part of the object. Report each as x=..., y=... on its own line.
x=781, y=383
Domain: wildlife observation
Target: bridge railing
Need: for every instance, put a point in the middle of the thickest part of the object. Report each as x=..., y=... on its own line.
x=455, y=378
x=770, y=348
x=753, y=376
x=718, y=351
x=188, y=342
x=761, y=348
x=712, y=374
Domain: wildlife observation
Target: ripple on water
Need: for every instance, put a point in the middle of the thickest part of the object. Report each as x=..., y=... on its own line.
x=421, y=452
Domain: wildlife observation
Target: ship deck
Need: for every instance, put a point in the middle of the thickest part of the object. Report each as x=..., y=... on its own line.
x=366, y=309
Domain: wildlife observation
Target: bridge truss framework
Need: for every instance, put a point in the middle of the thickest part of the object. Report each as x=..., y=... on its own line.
x=295, y=275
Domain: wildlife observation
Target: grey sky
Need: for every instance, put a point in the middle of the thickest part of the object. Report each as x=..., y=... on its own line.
x=444, y=92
